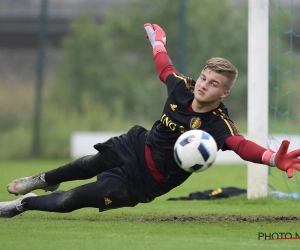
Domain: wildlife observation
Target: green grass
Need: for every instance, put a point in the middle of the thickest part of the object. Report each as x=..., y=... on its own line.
x=232, y=223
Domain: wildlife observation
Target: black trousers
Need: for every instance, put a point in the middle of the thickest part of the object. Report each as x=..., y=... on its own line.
x=123, y=178
x=109, y=191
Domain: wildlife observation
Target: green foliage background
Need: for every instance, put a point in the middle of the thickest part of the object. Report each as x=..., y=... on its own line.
x=111, y=62
x=106, y=80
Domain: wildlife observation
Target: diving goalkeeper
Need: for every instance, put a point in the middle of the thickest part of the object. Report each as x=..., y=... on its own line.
x=139, y=166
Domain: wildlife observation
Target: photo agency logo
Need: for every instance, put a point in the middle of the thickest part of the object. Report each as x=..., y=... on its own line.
x=278, y=236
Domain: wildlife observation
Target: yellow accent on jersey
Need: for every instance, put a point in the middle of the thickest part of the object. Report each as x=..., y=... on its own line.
x=173, y=106
x=228, y=125
x=232, y=130
x=180, y=77
x=187, y=81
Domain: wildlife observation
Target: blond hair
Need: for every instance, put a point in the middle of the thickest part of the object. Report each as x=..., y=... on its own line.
x=223, y=67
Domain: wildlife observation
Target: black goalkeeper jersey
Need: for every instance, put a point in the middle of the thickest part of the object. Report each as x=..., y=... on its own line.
x=176, y=119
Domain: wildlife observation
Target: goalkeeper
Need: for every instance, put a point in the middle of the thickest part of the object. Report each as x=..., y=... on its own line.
x=139, y=166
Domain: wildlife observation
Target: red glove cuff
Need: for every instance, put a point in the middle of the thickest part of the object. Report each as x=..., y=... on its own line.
x=268, y=158
x=159, y=48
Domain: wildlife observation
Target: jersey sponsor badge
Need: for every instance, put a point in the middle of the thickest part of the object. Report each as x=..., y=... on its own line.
x=195, y=123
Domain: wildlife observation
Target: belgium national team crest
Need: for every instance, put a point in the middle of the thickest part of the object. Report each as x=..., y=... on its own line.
x=195, y=123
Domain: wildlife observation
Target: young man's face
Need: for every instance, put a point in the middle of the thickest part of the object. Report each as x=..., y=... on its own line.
x=210, y=87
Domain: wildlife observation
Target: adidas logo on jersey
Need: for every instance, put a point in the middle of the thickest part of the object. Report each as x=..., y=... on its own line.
x=173, y=106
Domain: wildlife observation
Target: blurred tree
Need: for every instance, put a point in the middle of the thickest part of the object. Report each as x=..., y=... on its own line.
x=111, y=62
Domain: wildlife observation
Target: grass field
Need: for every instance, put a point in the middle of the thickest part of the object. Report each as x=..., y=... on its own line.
x=233, y=223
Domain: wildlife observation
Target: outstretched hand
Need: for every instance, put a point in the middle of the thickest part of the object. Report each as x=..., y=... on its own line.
x=156, y=36
x=285, y=161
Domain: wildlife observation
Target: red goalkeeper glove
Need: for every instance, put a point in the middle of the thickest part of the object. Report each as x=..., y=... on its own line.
x=156, y=36
x=283, y=160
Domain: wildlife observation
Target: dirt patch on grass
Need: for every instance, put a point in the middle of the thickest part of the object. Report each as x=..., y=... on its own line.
x=229, y=218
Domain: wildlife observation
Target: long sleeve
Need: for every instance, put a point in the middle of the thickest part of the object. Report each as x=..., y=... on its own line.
x=164, y=66
x=247, y=150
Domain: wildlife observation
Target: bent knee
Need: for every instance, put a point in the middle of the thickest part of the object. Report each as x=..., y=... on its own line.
x=68, y=202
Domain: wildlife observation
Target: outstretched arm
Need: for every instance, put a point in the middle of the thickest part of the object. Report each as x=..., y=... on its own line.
x=158, y=40
x=250, y=151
